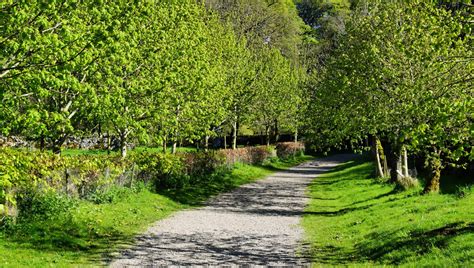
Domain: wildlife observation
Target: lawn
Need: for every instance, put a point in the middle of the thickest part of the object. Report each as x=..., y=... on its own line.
x=89, y=234
x=355, y=220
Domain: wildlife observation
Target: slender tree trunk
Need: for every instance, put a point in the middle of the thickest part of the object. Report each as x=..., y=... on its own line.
x=165, y=141
x=276, y=133
x=405, y=162
x=296, y=135
x=225, y=140
x=175, y=145
x=385, y=166
x=234, y=134
x=435, y=169
x=107, y=142
x=176, y=132
x=267, y=134
x=395, y=164
x=56, y=148
x=206, y=143
x=379, y=169
x=42, y=143
x=123, y=145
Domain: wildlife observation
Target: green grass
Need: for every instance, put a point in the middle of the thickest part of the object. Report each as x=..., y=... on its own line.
x=91, y=233
x=354, y=220
x=88, y=235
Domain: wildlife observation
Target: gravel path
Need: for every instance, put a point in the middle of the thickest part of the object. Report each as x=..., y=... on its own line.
x=256, y=224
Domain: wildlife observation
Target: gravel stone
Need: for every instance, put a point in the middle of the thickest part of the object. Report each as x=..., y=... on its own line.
x=257, y=224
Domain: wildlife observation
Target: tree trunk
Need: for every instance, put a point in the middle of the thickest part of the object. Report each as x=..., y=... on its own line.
x=385, y=164
x=379, y=169
x=435, y=169
x=296, y=135
x=206, y=143
x=276, y=133
x=225, y=141
x=175, y=144
x=164, y=145
x=107, y=142
x=267, y=135
x=234, y=135
x=395, y=164
x=56, y=148
x=405, y=162
x=123, y=146
x=42, y=143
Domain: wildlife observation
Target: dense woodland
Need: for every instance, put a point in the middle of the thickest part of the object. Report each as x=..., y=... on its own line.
x=165, y=72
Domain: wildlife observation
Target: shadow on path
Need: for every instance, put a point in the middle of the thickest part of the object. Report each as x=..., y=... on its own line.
x=256, y=224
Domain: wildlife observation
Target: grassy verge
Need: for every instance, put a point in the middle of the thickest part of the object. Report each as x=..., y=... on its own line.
x=353, y=220
x=89, y=233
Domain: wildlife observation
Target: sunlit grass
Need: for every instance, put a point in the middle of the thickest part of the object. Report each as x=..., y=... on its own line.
x=354, y=220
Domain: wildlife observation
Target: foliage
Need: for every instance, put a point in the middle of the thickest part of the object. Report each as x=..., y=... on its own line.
x=147, y=72
x=287, y=150
x=402, y=71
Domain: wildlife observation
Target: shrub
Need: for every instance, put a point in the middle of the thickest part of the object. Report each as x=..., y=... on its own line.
x=289, y=149
x=27, y=175
x=408, y=182
x=200, y=164
x=48, y=205
x=109, y=195
x=247, y=155
x=165, y=170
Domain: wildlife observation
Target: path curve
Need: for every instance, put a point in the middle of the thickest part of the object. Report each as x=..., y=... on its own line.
x=256, y=224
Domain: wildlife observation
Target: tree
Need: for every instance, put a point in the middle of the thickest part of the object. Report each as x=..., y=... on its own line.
x=390, y=78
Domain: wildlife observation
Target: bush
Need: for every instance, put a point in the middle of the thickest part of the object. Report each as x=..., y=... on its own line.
x=50, y=205
x=108, y=195
x=247, y=155
x=200, y=165
x=289, y=149
x=42, y=182
x=408, y=183
x=165, y=170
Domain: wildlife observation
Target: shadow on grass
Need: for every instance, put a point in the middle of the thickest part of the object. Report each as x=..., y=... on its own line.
x=382, y=247
x=392, y=251
x=450, y=184
x=67, y=236
x=416, y=243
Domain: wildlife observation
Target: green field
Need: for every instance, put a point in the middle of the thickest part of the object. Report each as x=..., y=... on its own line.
x=355, y=220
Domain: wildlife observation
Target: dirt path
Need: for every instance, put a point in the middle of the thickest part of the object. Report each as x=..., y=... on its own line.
x=256, y=224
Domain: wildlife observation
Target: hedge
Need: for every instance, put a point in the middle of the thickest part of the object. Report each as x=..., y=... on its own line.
x=25, y=172
x=286, y=150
